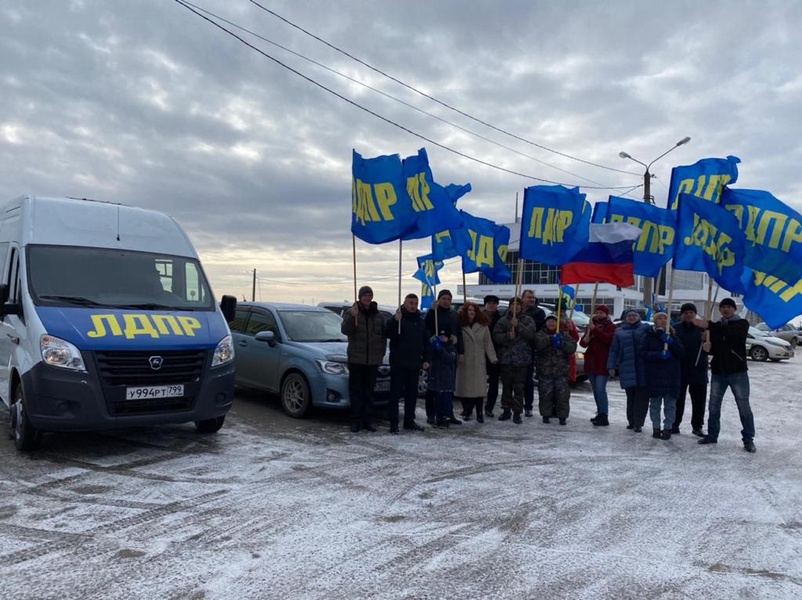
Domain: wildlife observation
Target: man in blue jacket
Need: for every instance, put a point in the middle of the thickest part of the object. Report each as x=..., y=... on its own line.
x=727, y=346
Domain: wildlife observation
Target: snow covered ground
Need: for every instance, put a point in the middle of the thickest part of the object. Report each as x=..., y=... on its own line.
x=277, y=508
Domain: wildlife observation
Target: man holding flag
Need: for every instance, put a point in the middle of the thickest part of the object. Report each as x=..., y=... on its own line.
x=727, y=346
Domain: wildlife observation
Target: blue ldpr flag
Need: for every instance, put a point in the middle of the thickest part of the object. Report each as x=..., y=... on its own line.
x=428, y=270
x=433, y=203
x=448, y=244
x=709, y=239
x=554, y=224
x=655, y=245
x=773, y=232
x=500, y=272
x=483, y=254
x=776, y=301
x=381, y=209
x=703, y=179
x=599, y=213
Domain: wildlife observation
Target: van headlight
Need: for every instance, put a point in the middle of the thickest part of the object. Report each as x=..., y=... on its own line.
x=332, y=367
x=60, y=353
x=224, y=353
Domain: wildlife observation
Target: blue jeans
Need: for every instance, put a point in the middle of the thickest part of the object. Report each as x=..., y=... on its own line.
x=739, y=384
x=669, y=411
x=598, y=384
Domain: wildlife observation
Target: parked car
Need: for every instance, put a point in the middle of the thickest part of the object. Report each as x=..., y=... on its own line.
x=761, y=346
x=787, y=332
x=297, y=352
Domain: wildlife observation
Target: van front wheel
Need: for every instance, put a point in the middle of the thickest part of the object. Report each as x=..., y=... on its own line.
x=210, y=425
x=26, y=436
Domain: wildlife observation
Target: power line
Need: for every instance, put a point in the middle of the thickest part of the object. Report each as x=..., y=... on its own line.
x=432, y=98
x=390, y=96
x=378, y=116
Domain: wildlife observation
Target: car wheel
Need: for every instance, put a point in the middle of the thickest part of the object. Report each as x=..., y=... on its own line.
x=26, y=436
x=794, y=342
x=759, y=353
x=423, y=383
x=210, y=425
x=296, y=399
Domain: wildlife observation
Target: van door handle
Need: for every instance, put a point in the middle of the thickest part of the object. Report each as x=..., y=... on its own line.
x=242, y=343
x=14, y=339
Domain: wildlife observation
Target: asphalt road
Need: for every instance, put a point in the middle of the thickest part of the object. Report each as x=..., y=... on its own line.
x=272, y=507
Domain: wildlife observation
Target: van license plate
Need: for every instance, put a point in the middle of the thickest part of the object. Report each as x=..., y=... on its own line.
x=382, y=386
x=154, y=391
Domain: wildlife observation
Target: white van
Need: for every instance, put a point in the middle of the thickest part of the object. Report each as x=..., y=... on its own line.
x=107, y=321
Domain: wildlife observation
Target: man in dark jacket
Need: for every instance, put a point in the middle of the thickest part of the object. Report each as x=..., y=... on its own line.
x=693, y=377
x=493, y=369
x=662, y=354
x=530, y=309
x=514, y=333
x=407, y=334
x=727, y=346
x=364, y=327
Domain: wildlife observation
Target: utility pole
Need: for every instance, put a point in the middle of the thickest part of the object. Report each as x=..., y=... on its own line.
x=647, y=198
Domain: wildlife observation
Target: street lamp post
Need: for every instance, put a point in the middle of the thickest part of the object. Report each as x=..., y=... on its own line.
x=647, y=198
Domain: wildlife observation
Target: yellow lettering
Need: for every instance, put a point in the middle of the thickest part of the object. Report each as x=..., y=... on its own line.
x=792, y=234
x=484, y=251
x=536, y=223
x=385, y=196
x=190, y=324
x=418, y=190
x=100, y=328
x=685, y=187
x=138, y=325
x=162, y=321
x=364, y=208
x=770, y=223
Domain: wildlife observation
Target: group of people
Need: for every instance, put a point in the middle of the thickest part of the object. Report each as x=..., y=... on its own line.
x=469, y=353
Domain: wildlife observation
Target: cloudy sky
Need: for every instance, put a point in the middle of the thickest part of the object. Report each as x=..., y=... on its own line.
x=145, y=103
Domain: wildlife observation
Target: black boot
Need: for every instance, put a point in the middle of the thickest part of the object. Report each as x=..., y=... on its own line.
x=600, y=421
x=666, y=434
x=506, y=415
x=479, y=414
x=657, y=433
x=546, y=419
x=563, y=420
x=516, y=418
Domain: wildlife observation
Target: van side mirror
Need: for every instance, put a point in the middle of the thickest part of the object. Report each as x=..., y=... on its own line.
x=228, y=305
x=3, y=293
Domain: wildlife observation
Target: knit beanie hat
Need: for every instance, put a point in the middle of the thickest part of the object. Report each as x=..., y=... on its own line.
x=365, y=289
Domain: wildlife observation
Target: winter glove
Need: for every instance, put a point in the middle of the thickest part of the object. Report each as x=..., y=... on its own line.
x=665, y=338
x=557, y=341
x=665, y=355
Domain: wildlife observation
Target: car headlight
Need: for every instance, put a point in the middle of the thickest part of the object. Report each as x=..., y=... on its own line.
x=60, y=353
x=224, y=353
x=332, y=367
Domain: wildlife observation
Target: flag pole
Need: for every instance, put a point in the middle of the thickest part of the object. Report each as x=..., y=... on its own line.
x=353, y=253
x=400, y=255
x=593, y=299
x=518, y=286
x=573, y=304
x=670, y=292
x=464, y=285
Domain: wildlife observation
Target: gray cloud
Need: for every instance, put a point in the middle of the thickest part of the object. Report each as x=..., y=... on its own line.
x=144, y=103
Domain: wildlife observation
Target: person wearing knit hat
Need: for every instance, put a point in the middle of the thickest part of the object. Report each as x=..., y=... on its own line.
x=728, y=369
x=364, y=327
x=597, y=339
x=439, y=318
x=662, y=353
x=626, y=361
x=693, y=375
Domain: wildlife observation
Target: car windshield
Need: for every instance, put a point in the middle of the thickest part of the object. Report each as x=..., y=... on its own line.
x=757, y=333
x=312, y=325
x=91, y=277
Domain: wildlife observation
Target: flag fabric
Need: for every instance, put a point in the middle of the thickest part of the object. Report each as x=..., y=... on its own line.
x=554, y=224
x=427, y=274
x=381, y=209
x=428, y=270
x=776, y=301
x=709, y=239
x=773, y=232
x=607, y=258
x=567, y=295
x=599, y=213
x=488, y=243
x=655, y=246
x=433, y=203
x=448, y=244
x=703, y=179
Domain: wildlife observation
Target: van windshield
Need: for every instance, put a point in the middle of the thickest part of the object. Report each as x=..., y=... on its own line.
x=76, y=276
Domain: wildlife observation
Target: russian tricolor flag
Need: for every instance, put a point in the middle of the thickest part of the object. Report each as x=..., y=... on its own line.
x=608, y=257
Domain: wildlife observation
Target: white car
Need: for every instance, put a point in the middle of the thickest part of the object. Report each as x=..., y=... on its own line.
x=787, y=332
x=761, y=346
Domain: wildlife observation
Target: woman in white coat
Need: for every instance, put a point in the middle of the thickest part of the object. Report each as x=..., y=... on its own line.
x=472, y=371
